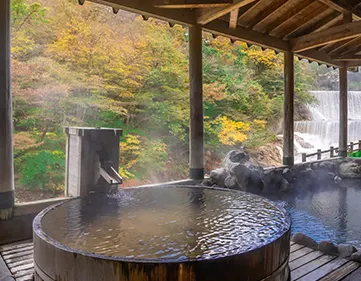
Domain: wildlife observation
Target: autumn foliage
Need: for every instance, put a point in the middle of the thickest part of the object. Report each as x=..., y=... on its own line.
x=85, y=66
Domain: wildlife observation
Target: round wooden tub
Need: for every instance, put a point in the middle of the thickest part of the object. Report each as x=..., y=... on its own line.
x=163, y=233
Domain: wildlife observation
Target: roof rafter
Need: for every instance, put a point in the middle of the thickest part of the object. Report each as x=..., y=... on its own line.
x=209, y=14
x=145, y=8
x=220, y=27
x=190, y=4
x=327, y=36
x=342, y=7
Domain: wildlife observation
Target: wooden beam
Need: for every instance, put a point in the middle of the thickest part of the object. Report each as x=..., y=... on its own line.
x=331, y=35
x=6, y=122
x=288, y=112
x=196, y=134
x=350, y=64
x=343, y=112
x=190, y=4
x=144, y=7
x=319, y=56
x=233, y=18
x=348, y=58
x=327, y=23
x=342, y=7
x=207, y=15
x=220, y=27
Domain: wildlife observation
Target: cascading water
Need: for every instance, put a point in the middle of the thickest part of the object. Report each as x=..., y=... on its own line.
x=323, y=131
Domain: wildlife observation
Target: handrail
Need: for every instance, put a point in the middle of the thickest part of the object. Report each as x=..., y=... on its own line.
x=333, y=151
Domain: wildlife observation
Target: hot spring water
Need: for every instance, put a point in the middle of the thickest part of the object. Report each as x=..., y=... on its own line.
x=322, y=132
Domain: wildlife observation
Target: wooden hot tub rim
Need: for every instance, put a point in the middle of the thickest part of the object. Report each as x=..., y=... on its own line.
x=277, y=242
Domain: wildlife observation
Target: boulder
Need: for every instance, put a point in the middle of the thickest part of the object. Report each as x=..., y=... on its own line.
x=230, y=182
x=303, y=239
x=248, y=177
x=234, y=158
x=327, y=247
x=350, y=169
x=207, y=182
x=337, y=179
x=218, y=176
x=356, y=256
x=345, y=250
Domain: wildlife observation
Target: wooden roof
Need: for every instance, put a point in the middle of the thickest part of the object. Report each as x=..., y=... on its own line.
x=326, y=31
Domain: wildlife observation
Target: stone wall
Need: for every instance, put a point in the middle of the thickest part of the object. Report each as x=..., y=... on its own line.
x=238, y=173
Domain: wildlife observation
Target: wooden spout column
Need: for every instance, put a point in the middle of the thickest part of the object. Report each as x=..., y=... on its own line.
x=196, y=134
x=6, y=146
x=288, y=110
x=343, y=113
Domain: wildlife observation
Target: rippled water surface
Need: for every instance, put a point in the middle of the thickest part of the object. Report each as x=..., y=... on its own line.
x=332, y=212
x=167, y=223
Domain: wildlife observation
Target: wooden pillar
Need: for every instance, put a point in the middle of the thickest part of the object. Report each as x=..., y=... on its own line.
x=196, y=134
x=288, y=110
x=6, y=146
x=343, y=113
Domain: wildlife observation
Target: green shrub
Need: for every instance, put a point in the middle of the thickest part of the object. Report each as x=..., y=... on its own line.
x=43, y=170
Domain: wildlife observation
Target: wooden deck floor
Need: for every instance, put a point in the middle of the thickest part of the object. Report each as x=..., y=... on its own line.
x=306, y=264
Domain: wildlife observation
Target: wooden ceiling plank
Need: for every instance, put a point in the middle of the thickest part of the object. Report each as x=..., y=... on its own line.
x=207, y=15
x=331, y=35
x=313, y=23
x=280, y=15
x=345, y=46
x=351, y=49
x=190, y=4
x=307, y=13
x=233, y=18
x=342, y=7
x=332, y=20
x=268, y=12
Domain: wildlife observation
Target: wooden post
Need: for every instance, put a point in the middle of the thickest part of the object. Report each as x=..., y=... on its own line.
x=343, y=113
x=304, y=157
x=288, y=126
x=319, y=154
x=196, y=134
x=6, y=144
x=351, y=147
x=359, y=145
x=332, y=152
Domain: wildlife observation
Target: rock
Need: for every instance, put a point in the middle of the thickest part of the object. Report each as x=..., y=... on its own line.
x=337, y=179
x=285, y=185
x=287, y=174
x=345, y=250
x=272, y=180
x=207, y=182
x=230, y=182
x=248, y=177
x=303, y=239
x=218, y=176
x=302, y=142
x=307, y=178
x=351, y=169
x=356, y=256
x=327, y=246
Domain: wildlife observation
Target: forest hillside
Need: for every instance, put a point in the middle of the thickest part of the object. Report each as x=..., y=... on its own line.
x=85, y=66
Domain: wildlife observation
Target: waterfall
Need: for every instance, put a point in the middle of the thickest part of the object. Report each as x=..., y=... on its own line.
x=323, y=130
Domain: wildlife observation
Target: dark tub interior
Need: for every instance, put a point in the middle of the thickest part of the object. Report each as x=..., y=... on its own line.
x=329, y=212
